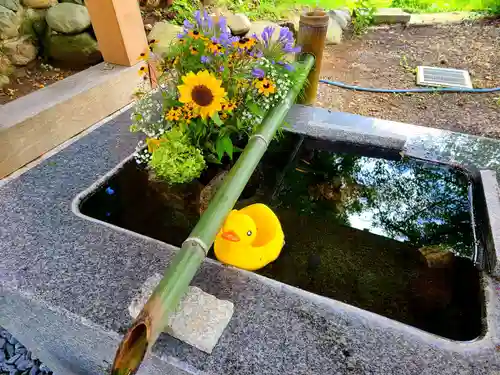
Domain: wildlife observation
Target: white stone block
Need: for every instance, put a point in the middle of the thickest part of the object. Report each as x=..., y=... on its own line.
x=199, y=320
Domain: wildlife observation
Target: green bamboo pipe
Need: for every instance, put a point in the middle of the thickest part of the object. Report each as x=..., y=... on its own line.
x=152, y=319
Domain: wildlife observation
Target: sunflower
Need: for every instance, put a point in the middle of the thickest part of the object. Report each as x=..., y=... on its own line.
x=195, y=34
x=228, y=106
x=244, y=43
x=144, y=56
x=174, y=114
x=259, y=82
x=142, y=71
x=152, y=43
x=194, y=50
x=203, y=91
x=267, y=88
x=215, y=48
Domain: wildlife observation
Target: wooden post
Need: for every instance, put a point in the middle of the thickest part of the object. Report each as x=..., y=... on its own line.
x=312, y=34
x=119, y=30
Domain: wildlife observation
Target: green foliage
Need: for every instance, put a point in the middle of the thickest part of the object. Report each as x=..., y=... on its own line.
x=175, y=160
x=447, y=5
x=181, y=10
x=363, y=15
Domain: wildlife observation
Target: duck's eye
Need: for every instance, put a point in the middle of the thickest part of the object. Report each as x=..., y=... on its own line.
x=249, y=233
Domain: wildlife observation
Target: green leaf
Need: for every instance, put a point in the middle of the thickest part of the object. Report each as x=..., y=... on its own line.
x=254, y=108
x=216, y=119
x=224, y=145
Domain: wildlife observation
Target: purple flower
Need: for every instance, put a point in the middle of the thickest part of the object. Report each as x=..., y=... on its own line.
x=221, y=68
x=197, y=17
x=205, y=59
x=181, y=35
x=286, y=66
x=289, y=48
x=222, y=23
x=286, y=36
x=258, y=73
x=267, y=34
x=187, y=25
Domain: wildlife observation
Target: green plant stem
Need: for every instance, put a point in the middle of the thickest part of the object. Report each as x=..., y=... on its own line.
x=153, y=317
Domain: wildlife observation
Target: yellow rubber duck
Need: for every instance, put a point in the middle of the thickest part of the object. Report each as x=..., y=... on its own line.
x=250, y=238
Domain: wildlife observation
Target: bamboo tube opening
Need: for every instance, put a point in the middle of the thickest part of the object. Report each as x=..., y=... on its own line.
x=132, y=350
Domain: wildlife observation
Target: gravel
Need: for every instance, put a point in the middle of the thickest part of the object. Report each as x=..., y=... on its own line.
x=15, y=359
x=386, y=57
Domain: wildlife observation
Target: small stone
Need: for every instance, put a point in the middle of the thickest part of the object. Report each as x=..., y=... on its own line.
x=44, y=368
x=34, y=370
x=21, y=350
x=24, y=364
x=39, y=4
x=334, y=32
x=2, y=343
x=68, y=18
x=20, y=51
x=28, y=355
x=13, y=359
x=13, y=340
x=2, y=356
x=14, y=372
x=148, y=27
x=9, y=349
x=238, y=23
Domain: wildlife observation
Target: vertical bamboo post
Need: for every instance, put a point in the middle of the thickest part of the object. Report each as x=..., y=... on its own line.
x=311, y=37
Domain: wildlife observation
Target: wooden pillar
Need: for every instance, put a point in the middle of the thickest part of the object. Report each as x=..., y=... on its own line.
x=119, y=30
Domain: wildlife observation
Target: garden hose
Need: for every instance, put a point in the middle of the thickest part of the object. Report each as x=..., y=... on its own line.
x=415, y=90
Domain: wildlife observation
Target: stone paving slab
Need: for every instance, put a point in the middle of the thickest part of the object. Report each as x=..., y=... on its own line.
x=430, y=19
x=73, y=278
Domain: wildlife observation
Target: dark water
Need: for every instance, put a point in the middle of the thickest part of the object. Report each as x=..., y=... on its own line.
x=390, y=234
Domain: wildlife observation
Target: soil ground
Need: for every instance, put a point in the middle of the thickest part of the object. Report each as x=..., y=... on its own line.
x=385, y=57
x=32, y=77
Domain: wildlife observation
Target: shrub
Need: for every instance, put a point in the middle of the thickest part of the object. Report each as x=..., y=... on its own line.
x=174, y=159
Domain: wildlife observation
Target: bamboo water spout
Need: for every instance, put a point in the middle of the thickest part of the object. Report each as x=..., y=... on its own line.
x=152, y=319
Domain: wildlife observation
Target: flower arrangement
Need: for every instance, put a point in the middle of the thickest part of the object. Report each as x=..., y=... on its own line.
x=213, y=90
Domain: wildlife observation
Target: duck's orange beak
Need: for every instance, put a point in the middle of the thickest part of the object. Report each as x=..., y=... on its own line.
x=230, y=236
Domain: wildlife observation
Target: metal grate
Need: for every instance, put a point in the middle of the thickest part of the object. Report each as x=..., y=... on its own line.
x=430, y=76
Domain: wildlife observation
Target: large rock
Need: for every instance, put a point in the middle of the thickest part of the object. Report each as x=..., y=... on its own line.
x=79, y=2
x=34, y=22
x=9, y=23
x=72, y=50
x=259, y=26
x=39, y=4
x=20, y=51
x=342, y=18
x=5, y=65
x=164, y=33
x=239, y=24
x=13, y=5
x=334, y=33
x=68, y=18
x=4, y=80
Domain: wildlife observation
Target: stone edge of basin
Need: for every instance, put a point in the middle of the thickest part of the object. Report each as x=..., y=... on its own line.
x=326, y=124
